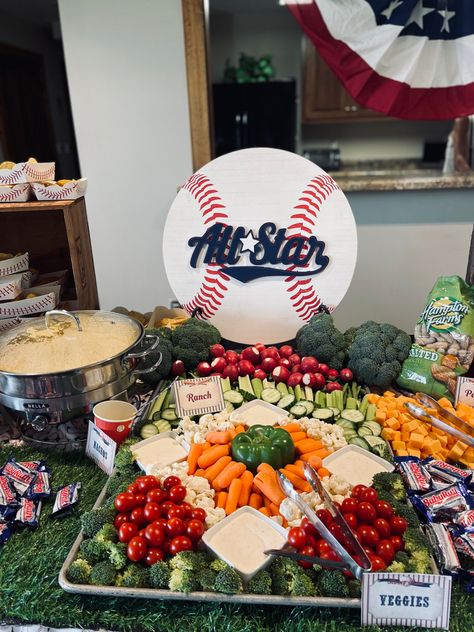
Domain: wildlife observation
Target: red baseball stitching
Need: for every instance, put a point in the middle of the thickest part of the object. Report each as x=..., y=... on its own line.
x=12, y=269
x=38, y=174
x=302, y=292
x=211, y=293
x=56, y=195
x=7, y=289
x=12, y=178
x=13, y=194
x=29, y=309
x=4, y=326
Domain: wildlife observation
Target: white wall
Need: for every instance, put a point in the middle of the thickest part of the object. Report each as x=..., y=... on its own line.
x=127, y=80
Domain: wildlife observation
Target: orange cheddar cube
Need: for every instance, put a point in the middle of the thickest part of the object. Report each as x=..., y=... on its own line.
x=416, y=441
x=401, y=452
x=413, y=452
x=399, y=445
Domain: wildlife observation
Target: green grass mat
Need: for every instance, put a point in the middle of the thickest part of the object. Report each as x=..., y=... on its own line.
x=29, y=590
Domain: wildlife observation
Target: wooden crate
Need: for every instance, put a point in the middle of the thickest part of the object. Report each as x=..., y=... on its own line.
x=56, y=234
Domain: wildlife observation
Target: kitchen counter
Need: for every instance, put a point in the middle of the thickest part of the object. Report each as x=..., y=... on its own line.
x=400, y=179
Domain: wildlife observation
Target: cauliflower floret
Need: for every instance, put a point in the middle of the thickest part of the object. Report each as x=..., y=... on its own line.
x=338, y=485
x=213, y=516
x=289, y=510
x=198, y=484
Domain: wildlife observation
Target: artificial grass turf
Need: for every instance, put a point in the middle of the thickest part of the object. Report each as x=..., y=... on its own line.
x=31, y=560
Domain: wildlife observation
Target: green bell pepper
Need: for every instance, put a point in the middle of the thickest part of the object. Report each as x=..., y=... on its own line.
x=263, y=444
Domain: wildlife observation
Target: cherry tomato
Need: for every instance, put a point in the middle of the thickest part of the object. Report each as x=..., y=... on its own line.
x=349, y=506
x=120, y=519
x=330, y=555
x=165, y=506
x=137, y=549
x=398, y=525
x=306, y=550
x=357, y=536
x=155, y=534
x=386, y=551
x=153, y=556
x=162, y=522
x=127, y=531
x=325, y=516
x=194, y=530
x=369, y=495
x=156, y=495
x=170, y=482
x=357, y=490
x=297, y=537
x=140, y=500
x=351, y=520
x=309, y=528
x=138, y=517
x=322, y=547
x=152, y=512
x=383, y=509
x=366, y=512
x=311, y=541
x=382, y=527
x=198, y=514
x=177, y=511
x=174, y=527
x=141, y=533
x=180, y=543
x=337, y=532
x=124, y=502
x=398, y=543
x=368, y=536
x=177, y=493
x=133, y=488
x=377, y=564
x=189, y=511
x=147, y=483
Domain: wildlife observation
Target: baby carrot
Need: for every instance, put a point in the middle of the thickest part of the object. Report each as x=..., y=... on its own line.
x=300, y=483
x=321, y=453
x=231, y=471
x=210, y=456
x=308, y=445
x=298, y=436
x=265, y=511
x=315, y=461
x=323, y=472
x=221, y=437
x=238, y=429
x=215, y=469
x=295, y=469
x=199, y=472
x=267, y=502
x=247, y=482
x=292, y=427
x=265, y=467
x=274, y=509
x=221, y=499
x=195, y=452
x=233, y=496
x=255, y=500
x=269, y=486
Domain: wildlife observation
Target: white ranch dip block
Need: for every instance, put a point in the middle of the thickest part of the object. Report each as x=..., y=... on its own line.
x=356, y=465
x=259, y=412
x=159, y=451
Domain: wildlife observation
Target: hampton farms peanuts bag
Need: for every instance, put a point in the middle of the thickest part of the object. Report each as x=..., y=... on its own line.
x=444, y=340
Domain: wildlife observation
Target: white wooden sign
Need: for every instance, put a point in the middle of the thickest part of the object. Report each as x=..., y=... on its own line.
x=258, y=239
x=465, y=391
x=406, y=599
x=100, y=448
x=199, y=396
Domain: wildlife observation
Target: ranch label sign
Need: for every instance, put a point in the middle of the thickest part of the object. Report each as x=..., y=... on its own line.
x=199, y=396
x=257, y=240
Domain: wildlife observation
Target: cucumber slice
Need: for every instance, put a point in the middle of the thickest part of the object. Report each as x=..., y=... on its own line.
x=349, y=434
x=245, y=387
x=298, y=410
x=229, y=407
x=374, y=441
x=271, y=395
x=371, y=412
x=362, y=443
x=336, y=411
x=364, y=431
x=281, y=386
x=286, y=401
x=166, y=401
x=363, y=404
x=298, y=393
x=156, y=405
x=169, y=414
x=351, y=403
x=308, y=405
x=162, y=425
x=325, y=414
x=257, y=386
x=345, y=423
x=291, y=390
x=352, y=415
x=374, y=426
x=320, y=399
x=226, y=386
x=267, y=384
x=308, y=393
x=148, y=430
x=233, y=397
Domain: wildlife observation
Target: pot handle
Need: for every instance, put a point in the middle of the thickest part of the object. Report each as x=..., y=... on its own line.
x=138, y=355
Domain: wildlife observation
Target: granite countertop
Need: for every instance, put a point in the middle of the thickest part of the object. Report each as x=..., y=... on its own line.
x=398, y=176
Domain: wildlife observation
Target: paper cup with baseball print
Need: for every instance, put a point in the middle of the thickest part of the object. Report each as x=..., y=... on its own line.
x=115, y=418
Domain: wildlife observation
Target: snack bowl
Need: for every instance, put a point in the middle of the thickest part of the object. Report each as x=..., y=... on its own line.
x=241, y=539
x=160, y=450
x=30, y=171
x=15, y=193
x=356, y=465
x=249, y=413
x=54, y=192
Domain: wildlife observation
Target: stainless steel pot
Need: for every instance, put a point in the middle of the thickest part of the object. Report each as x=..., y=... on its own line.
x=55, y=397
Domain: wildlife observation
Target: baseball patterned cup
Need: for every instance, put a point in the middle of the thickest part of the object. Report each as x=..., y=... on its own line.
x=115, y=418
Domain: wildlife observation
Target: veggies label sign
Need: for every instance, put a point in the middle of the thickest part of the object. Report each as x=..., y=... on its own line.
x=257, y=240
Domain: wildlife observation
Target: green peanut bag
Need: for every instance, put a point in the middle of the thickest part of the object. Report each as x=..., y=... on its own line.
x=444, y=340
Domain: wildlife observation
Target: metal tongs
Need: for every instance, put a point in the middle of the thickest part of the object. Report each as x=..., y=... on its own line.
x=348, y=562
x=462, y=431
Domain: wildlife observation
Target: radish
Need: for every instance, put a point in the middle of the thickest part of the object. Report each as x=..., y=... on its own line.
x=346, y=375
x=217, y=351
x=251, y=354
x=294, y=359
x=246, y=367
x=309, y=364
x=286, y=351
x=309, y=379
x=231, y=371
x=231, y=357
x=260, y=346
x=203, y=369
x=270, y=352
x=319, y=381
x=218, y=364
x=296, y=368
x=177, y=368
x=260, y=374
x=323, y=368
x=333, y=386
x=280, y=374
x=285, y=362
x=268, y=364
x=333, y=374
x=295, y=379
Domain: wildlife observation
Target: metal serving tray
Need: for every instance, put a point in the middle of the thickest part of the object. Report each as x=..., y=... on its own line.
x=152, y=593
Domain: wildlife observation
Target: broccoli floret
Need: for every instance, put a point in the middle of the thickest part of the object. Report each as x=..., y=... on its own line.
x=390, y=482
x=228, y=581
x=332, y=584
x=188, y=560
x=383, y=452
x=183, y=580
x=349, y=335
x=124, y=456
x=93, y=551
x=320, y=338
x=354, y=587
x=191, y=342
x=301, y=585
x=79, y=572
x=107, y=534
x=377, y=353
x=402, y=557
x=283, y=571
x=103, y=574
x=260, y=584
x=313, y=571
x=165, y=348
x=206, y=579
x=135, y=576
x=419, y=562
x=119, y=482
x=415, y=541
x=160, y=575
x=117, y=555
x=396, y=567
x=218, y=565
x=408, y=513
x=93, y=521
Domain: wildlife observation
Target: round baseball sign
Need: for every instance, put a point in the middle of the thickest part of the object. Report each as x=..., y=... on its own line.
x=257, y=240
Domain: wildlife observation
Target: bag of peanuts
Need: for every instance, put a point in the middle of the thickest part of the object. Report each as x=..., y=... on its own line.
x=444, y=340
